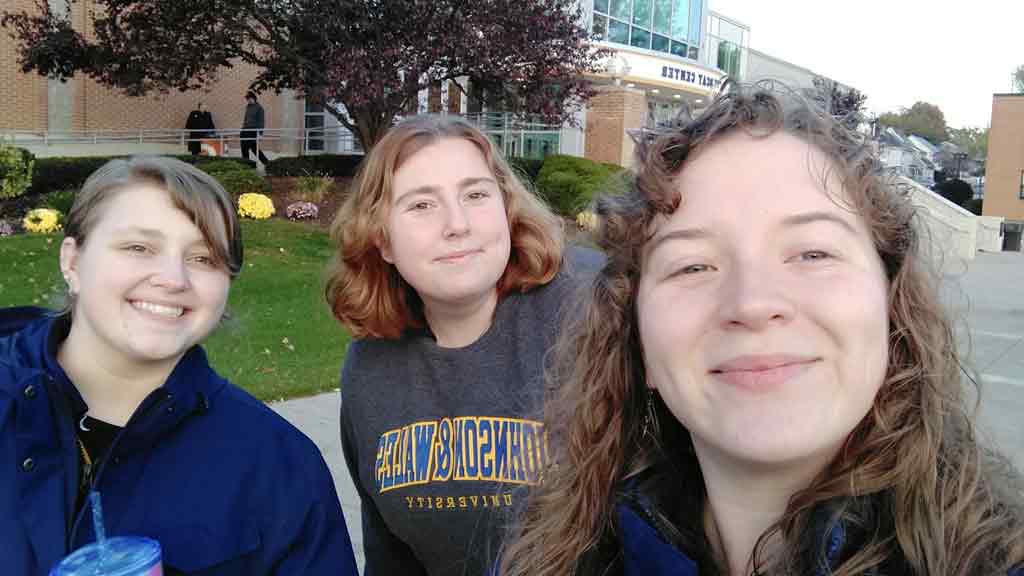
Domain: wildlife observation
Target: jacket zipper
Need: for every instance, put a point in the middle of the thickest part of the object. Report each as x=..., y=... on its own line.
x=102, y=465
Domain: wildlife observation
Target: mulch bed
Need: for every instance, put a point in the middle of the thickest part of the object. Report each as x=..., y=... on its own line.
x=282, y=193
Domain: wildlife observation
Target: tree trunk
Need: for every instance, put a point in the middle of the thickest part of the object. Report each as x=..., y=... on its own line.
x=366, y=123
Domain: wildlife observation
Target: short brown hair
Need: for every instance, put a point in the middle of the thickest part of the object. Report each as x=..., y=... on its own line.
x=366, y=293
x=192, y=191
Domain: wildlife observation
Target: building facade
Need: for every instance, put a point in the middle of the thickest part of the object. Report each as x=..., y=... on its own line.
x=1004, y=169
x=37, y=107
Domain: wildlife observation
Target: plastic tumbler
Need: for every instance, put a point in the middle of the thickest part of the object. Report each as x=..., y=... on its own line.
x=121, y=556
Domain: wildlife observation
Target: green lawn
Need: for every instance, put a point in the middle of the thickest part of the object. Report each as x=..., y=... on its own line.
x=281, y=342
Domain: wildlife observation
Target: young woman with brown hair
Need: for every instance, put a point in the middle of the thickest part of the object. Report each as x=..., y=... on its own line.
x=764, y=380
x=452, y=278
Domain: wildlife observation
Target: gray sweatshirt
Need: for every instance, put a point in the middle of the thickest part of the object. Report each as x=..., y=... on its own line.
x=253, y=117
x=443, y=443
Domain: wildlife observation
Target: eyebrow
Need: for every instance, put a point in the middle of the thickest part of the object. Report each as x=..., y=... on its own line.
x=680, y=234
x=147, y=232
x=153, y=234
x=792, y=221
x=811, y=217
x=462, y=185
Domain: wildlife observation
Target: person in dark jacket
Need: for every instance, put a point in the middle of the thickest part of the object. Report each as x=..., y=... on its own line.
x=199, y=125
x=252, y=126
x=765, y=381
x=114, y=394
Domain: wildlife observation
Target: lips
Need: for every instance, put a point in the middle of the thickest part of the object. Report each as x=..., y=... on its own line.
x=758, y=373
x=456, y=256
x=161, y=310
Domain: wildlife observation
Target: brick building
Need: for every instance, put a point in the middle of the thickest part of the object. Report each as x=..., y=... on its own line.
x=39, y=105
x=1004, y=169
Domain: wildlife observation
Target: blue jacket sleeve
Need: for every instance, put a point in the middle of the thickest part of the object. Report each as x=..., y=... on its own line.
x=322, y=545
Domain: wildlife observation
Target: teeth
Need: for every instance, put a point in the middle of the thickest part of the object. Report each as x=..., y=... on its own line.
x=168, y=311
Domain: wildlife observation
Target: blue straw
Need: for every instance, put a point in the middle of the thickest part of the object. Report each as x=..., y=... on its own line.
x=97, y=519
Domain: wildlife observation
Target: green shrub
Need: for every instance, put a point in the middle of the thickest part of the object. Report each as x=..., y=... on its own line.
x=67, y=172
x=222, y=165
x=568, y=183
x=526, y=168
x=974, y=206
x=242, y=181
x=333, y=165
x=60, y=200
x=16, y=166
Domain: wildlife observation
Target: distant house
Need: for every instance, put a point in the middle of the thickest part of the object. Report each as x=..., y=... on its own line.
x=903, y=158
x=922, y=144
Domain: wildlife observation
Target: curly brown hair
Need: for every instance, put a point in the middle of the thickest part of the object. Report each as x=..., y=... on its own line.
x=912, y=480
x=366, y=293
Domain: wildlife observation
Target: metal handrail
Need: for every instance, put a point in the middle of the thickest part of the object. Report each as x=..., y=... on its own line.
x=178, y=136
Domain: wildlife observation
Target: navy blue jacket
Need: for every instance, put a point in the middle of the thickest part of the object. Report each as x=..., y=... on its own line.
x=221, y=481
x=646, y=550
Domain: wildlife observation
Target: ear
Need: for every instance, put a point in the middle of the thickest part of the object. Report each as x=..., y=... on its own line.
x=385, y=249
x=69, y=263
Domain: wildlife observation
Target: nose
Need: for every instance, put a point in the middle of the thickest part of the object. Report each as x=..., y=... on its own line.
x=456, y=221
x=171, y=274
x=755, y=297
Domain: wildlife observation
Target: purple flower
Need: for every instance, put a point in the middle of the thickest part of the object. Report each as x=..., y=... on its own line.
x=302, y=211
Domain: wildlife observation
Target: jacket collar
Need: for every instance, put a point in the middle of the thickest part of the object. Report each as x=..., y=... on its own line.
x=189, y=388
x=650, y=543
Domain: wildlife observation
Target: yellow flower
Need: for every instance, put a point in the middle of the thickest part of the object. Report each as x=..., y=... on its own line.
x=42, y=221
x=587, y=221
x=255, y=206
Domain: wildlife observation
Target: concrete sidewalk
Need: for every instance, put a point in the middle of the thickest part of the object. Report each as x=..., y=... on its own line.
x=987, y=294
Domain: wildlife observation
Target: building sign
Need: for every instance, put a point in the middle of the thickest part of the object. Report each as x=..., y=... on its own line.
x=690, y=77
x=646, y=67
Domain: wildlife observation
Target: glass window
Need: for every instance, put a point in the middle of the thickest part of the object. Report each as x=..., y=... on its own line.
x=660, y=43
x=642, y=13
x=620, y=9
x=731, y=32
x=663, y=16
x=695, y=21
x=1022, y=184
x=679, y=49
x=693, y=53
x=618, y=32
x=601, y=6
x=600, y=27
x=681, y=19
x=729, y=58
x=640, y=38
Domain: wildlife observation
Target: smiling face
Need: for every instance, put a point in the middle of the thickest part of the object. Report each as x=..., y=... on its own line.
x=145, y=283
x=448, y=234
x=763, y=306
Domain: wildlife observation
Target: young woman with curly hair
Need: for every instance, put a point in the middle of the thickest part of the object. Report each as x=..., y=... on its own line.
x=763, y=380
x=452, y=278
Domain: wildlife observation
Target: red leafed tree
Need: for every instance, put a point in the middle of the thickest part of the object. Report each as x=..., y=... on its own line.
x=371, y=56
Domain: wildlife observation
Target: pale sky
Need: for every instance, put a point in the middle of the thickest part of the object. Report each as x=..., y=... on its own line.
x=952, y=53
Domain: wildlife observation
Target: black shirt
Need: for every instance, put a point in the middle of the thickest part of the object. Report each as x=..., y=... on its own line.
x=95, y=437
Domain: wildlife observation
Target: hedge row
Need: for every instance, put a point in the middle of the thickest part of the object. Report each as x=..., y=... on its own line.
x=64, y=173
x=333, y=165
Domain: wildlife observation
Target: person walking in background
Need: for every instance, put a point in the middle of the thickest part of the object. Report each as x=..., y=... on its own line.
x=199, y=126
x=252, y=127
